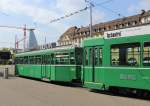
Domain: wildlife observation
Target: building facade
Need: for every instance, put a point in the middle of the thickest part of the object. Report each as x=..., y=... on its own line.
x=75, y=35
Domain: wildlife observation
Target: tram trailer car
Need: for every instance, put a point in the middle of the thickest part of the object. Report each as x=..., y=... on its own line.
x=59, y=64
x=117, y=63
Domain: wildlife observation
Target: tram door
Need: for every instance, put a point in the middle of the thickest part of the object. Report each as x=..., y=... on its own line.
x=45, y=67
x=93, y=59
x=89, y=63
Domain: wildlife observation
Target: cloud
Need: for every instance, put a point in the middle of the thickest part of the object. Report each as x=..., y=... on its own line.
x=67, y=6
x=40, y=15
x=43, y=14
x=143, y=4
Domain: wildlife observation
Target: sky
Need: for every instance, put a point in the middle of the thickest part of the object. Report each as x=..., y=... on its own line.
x=38, y=14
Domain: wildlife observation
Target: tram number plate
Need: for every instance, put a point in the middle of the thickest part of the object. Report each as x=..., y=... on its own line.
x=127, y=77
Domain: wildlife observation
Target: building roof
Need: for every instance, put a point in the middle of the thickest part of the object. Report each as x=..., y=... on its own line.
x=75, y=32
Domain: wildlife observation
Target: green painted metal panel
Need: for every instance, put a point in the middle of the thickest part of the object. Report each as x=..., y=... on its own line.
x=33, y=71
x=52, y=73
x=130, y=77
x=93, y=41
x=48, y=71
x=88, y=74
x=65, y=73
x=127, y=77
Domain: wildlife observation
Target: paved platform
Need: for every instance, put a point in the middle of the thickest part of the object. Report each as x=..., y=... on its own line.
x=24, y=92
x=11, y=69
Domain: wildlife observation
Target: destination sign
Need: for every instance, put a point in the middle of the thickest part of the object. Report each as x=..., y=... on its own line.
x=133, y=31
x=115, y=34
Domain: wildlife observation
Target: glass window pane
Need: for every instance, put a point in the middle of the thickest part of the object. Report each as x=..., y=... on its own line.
x=91, y=56
x=72, y=59
x=62, y=58
x=146, y=54
x=125, y=54
x=100, y=56
x=86, y=56
x=115, y=56
x=96, y=56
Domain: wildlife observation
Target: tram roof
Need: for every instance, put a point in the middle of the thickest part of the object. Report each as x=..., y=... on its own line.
x=93, y=41
x=99, y=41
x=42, y=52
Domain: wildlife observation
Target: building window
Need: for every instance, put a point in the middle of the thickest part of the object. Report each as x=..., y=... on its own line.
x=109, y=28
x=100, y=29
x=126, y=25
x=120, y=26
x=116, y=26
x=83, y=33
x=148, y=18
x=143, y=20
x=104, y=29
x=129, y=24
x=134, y=23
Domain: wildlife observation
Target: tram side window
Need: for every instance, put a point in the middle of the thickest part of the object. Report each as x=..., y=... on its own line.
x=114, y=56
x=86, y=56
x=146, y=54
x=134, y=56
x=91, y=56
x=96, y=56
x=52, y=59
x=38, y=60
x=127, y=54
x=78, y=56
x=31, y=60
x=48, y=59
x=25, y=61
x=21, y=60
x=100, y=56
x=43, y=59
x=17, y=60
x=72, y=59
x=62, y=58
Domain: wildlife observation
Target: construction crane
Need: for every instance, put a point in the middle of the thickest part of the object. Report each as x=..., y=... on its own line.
x=25, y=29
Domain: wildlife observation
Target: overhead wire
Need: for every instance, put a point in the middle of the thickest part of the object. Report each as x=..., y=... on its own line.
x=68, y=15
x=108, y=9
x=79, y=11
x=7, y=43
x=3, y=13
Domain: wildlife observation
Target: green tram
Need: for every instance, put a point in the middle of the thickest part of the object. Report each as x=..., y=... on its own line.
x=58, y=64
x=101, y=63
x=122, y=62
